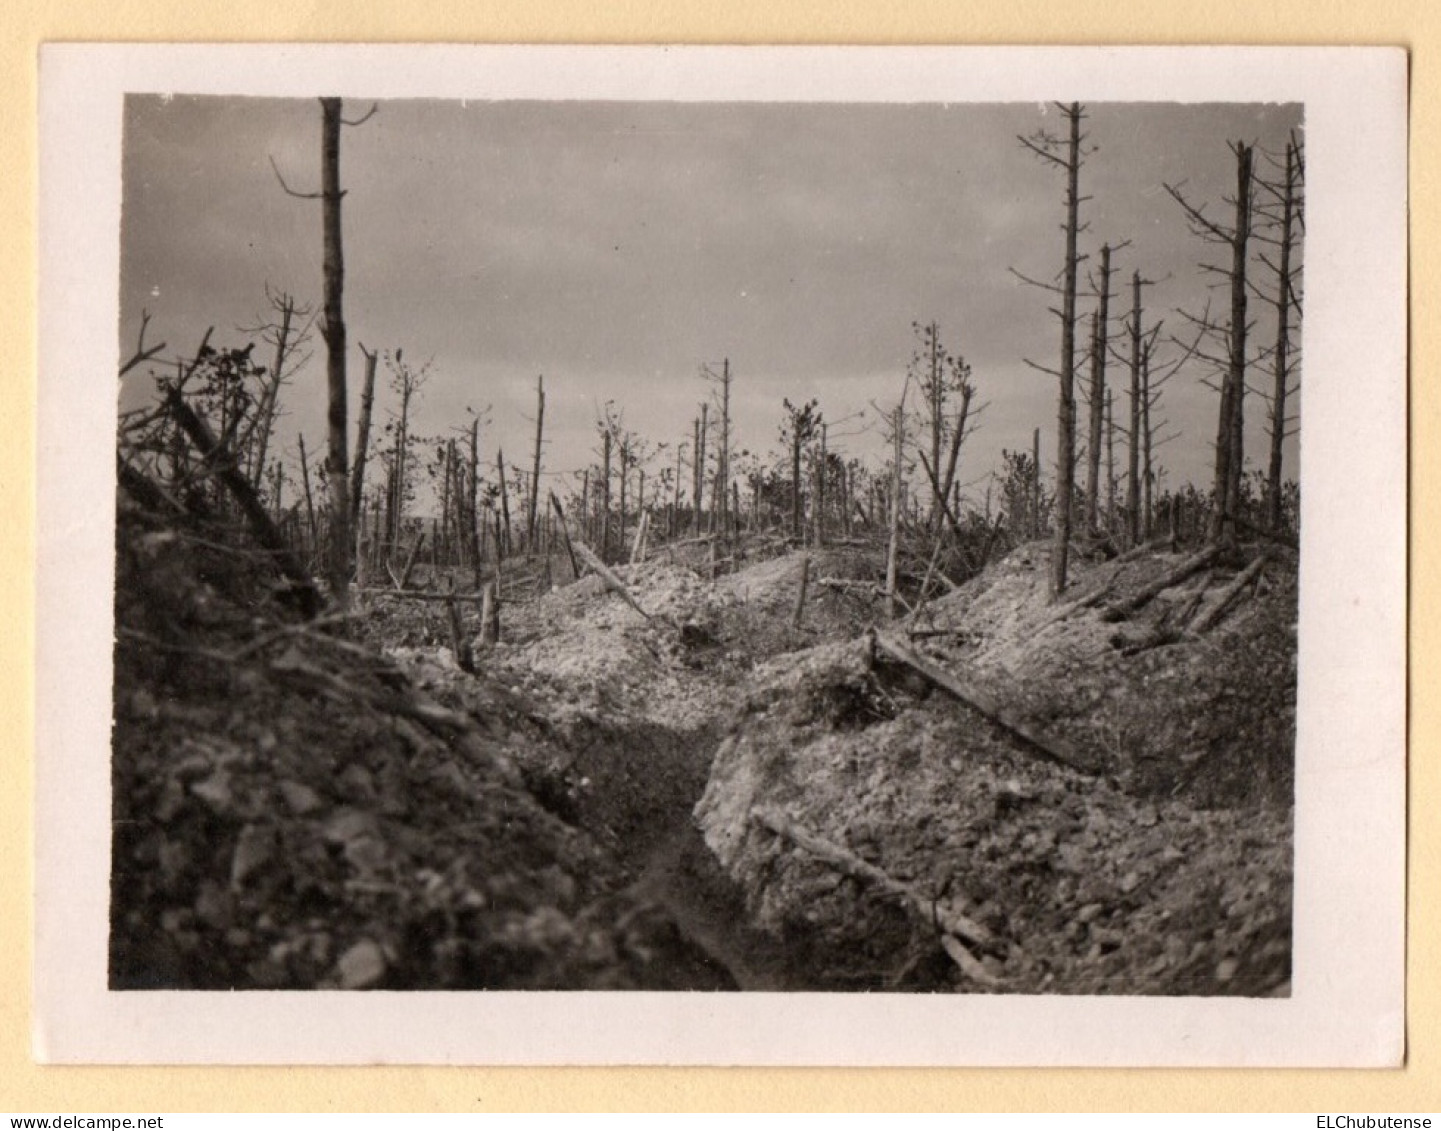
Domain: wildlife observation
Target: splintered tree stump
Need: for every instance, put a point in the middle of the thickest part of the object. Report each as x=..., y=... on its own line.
x=490, y=614
x=801, y=592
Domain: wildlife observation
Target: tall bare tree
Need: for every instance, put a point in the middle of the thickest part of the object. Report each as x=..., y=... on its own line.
x=1066, y=155
x=362, y=437
x=1287, y=216
x=799, y=429
x=941, y=377
x=1230, y=424
x=333, y=331
x=531, y=511
x=1095, y=400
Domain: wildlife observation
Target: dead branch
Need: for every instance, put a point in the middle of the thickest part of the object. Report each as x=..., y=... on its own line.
x=141, y=354
x=949, y=923
x=1052, y=746
x=565, y=535
x=1211, y=616
x=612, y=582
x=1194, y=564
x=302, y=586
x=414, y=595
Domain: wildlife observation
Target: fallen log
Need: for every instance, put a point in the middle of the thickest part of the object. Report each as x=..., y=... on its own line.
x=1052, y=746
x=1207, y=618
x=607, y=575
x=1171, y=628
x=416, y=595
x=845, y=585
x=952, y=925
x=1194, y=564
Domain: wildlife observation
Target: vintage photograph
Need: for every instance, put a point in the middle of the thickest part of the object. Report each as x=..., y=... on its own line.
x=708, y=546
x=721, y=556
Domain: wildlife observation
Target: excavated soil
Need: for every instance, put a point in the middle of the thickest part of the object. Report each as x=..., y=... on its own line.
x=299, y=807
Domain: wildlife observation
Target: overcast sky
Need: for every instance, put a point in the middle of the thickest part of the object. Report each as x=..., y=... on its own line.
x=615, y=247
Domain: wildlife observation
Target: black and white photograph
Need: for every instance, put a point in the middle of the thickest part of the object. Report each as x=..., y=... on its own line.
x=751, y=548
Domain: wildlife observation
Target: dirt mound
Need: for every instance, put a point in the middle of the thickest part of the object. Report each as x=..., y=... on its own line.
x=851, y=794
x=290, y=811
x=1162, y=709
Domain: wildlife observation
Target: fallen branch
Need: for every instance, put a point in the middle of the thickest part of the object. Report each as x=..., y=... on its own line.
x=951, y=924
x=612, y=582
x=417, y=595
x=565, y=534
x=1209, y=617
x=842, y=584
x=1170, y=629
x=302, y=585
x=1052, y=746
x=1194, y=564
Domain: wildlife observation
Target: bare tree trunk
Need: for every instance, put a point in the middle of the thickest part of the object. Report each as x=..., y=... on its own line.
x=310, y=522
x=1147, y=478
x=362, y=439
x=334, y=331
x=624, y=478
x=723, y=469
x=1110, y=467
x=605, y=495
x=1100, y=340
x=700, y=469
x=795, y=483
x=949, y=480
x=490, y=613
x=937, y=407
x=535, y=465
x=820, y=505
x=1133, y=477
x=800, y=608
x=265, y=414
x=673, y=525
x=473, y=502
x=1230, y=426
x=504, y=497
x=1066, y=403
x=1283, y=343
x=1036, y=483
x=892, y=551
x=440, y=537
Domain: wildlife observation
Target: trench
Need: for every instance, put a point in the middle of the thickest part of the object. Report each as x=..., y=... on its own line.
x=642, y=782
